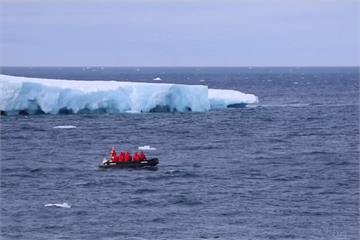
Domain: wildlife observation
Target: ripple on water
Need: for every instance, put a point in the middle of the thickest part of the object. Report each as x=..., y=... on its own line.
x=184, y=200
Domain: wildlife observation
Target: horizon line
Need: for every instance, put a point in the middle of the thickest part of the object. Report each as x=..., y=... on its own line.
x=189, y=66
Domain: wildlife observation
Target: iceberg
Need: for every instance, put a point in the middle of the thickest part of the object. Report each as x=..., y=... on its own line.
x=23, y=95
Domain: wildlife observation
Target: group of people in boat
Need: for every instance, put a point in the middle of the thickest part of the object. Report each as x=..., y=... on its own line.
x=124, y=157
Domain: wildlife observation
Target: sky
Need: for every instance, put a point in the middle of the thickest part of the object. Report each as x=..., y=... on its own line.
x=180, y=33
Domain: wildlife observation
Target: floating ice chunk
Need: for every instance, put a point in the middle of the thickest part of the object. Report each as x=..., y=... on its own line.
x=146, y=147
x=22, y=95
x=157, y=79
x=65, y=126
x=60, y=205
x=202, y=80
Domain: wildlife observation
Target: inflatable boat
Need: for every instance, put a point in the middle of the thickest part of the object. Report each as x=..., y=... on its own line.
x=149, y=163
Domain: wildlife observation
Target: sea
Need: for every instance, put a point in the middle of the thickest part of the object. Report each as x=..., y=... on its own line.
x=285, y=168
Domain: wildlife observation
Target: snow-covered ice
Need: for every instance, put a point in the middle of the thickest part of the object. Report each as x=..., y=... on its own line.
x=221, y=98
x=35, y=95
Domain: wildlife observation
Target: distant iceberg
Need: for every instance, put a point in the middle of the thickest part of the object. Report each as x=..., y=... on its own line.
x=23, y=95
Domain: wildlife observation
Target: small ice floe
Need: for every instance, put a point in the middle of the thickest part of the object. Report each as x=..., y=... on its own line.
x=65, y=126
x=202, y=80
x=146, y=147
x=157, y=79
x=60, y=205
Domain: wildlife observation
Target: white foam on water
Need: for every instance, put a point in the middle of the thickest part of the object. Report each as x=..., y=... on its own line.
x=65, y=127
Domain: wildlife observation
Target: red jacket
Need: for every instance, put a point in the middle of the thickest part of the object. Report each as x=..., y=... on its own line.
x=136, y=157
x=142, y=156
x=127, y=157
x=122, y=157
x=116, y=159
x=113, y=155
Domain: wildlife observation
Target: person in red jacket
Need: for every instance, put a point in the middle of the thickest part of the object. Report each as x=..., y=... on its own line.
x=113, y=154
x=122, y=157
x=142, y=156
x=127, y=157
x=135, y=157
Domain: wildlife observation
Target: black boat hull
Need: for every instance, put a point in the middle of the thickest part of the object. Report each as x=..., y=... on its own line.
x=143, y=164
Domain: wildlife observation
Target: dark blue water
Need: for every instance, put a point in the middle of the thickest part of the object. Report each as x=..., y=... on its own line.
x=286, y=169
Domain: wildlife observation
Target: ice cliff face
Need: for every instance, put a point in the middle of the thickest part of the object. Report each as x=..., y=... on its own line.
x=34, y=96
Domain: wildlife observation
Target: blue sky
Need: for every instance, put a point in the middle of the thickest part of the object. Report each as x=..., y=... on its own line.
x=180, y=33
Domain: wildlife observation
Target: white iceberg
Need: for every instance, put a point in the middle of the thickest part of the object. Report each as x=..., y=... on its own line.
x=157, y=79
x=35, y=95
